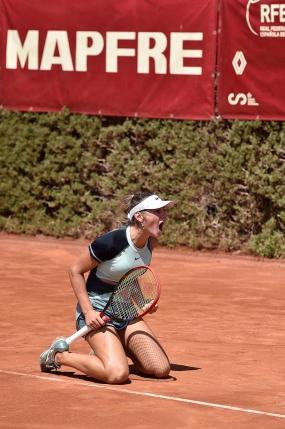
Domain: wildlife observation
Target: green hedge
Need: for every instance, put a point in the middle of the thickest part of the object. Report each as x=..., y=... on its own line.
x=62, y=174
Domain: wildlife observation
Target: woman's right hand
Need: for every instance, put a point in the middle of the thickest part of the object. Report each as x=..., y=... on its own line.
x=93, y=319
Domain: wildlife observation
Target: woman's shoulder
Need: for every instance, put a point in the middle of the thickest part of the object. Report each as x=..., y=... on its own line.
x=111, y=237
x=108, y=245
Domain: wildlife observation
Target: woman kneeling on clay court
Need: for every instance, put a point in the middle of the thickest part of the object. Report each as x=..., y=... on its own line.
x=107, y=259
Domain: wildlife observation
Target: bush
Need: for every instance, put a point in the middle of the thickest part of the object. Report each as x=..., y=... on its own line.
x=269, y=243
x=61, y=175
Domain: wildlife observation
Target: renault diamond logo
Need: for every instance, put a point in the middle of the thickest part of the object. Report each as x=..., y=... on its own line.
x=239, y=62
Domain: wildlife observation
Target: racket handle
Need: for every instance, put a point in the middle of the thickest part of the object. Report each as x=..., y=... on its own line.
x=81, y=332
x=78, y=334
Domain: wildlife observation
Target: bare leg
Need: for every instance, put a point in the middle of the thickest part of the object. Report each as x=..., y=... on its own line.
x=110, y=363
x=144, y=349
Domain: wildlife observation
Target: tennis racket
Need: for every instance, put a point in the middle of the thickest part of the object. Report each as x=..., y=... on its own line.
x=134, y=296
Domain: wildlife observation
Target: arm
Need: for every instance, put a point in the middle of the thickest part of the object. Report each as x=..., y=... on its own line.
x=80, y=266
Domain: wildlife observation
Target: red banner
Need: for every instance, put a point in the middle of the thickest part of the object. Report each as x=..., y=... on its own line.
x=251, y=59
x=148, y=58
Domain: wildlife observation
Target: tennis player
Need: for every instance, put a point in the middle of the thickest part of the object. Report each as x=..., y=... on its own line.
x=107, y=259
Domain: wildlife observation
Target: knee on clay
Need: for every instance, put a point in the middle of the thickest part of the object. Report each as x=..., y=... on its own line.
x=117, y=374
x=161, y=371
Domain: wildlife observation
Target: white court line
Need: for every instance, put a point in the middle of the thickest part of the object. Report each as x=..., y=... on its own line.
x=170, y=398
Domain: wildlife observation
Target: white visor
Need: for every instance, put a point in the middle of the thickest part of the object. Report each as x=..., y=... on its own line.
x=152, y=202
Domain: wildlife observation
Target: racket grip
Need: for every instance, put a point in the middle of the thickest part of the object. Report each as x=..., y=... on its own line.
x=78, y=334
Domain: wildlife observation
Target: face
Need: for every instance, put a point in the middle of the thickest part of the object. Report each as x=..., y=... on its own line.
x=153, y=221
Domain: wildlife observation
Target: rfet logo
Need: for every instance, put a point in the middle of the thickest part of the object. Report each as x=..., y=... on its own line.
x=271, y=18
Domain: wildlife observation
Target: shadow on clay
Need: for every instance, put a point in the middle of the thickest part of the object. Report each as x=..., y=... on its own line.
x=83, y=377
x=135, y=374
x=177, y=367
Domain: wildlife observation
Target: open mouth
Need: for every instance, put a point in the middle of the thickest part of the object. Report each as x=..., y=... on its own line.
x=160, y=226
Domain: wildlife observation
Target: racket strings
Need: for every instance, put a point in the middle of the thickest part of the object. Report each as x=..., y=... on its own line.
x=134, y=295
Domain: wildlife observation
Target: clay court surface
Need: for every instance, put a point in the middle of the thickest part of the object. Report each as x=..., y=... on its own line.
x=220, y=319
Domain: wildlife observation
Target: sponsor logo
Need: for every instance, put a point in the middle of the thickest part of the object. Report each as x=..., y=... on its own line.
x=242, y=99
x=58, y=51
x=250, y=2
x=239, y=62
x=271, y=18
